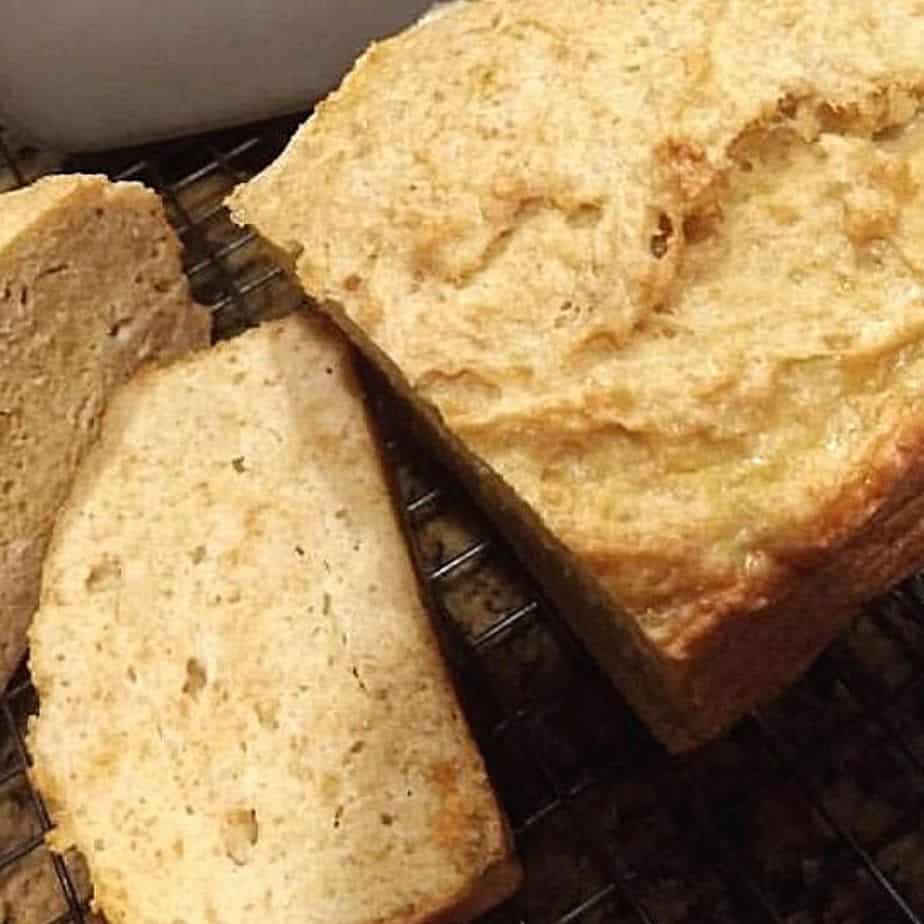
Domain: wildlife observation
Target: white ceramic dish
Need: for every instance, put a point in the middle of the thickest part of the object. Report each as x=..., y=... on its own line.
x=81, y=75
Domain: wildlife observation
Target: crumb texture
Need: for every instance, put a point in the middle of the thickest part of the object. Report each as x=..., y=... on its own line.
x=239, y=685
x=91, y=288
x=659, y=265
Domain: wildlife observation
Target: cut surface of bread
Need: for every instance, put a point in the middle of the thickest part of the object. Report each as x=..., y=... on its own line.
x=654, y=277
x=90, y=288
x=244, y=712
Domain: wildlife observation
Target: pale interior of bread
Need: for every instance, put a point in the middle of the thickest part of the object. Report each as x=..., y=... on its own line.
x=239, y=684
x=91, y=288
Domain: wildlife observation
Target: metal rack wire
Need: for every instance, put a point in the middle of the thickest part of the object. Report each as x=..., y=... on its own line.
x=808, y=811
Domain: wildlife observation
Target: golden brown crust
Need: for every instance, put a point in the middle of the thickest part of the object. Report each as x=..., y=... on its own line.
x=735, y=657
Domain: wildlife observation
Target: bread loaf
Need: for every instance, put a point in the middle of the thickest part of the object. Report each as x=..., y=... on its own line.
x=243, y=709
x=653, y=277
x=90, y=288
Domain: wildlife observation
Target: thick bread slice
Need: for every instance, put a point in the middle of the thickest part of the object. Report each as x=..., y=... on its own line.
x=90, y=288
x=244, y=712
x=654, y=276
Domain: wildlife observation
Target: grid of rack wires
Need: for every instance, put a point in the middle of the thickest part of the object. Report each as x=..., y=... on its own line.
x=810, y=810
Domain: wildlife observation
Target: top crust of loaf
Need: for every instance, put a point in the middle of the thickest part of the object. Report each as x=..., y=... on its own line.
x=91, y=287
x=659, y=265
x=239, y=686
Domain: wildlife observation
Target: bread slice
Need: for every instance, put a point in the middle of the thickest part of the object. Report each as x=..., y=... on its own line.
x=239, y=687
x=90, y=288
x=653, y=278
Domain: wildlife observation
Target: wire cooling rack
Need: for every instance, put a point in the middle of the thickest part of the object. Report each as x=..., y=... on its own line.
x=808, y=811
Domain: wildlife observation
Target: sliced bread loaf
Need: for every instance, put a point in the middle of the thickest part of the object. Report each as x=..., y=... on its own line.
x=90, y=288
x=243, y=709
x=653, y=276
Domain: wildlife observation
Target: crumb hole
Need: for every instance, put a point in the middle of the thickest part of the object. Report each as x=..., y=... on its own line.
x=696, y=228
x=352, y=282
x=359, y=680
x=267, y=715
x=889, y=133
x=196, y=678
x=121, y=328
x=197, y=555
x=838, y=341
x=587, y=215
x=568, y=313
x=104, y=575
x=660, y=242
